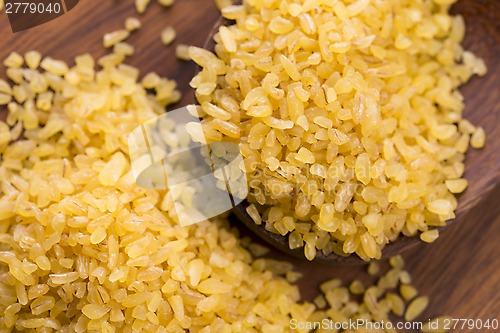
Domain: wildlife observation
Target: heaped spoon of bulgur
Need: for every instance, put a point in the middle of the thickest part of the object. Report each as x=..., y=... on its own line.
x=349, y=119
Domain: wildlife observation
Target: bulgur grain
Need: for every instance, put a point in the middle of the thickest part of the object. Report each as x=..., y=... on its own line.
x=167, y=35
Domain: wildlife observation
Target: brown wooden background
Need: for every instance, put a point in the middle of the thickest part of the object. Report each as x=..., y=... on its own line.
x=461, y=270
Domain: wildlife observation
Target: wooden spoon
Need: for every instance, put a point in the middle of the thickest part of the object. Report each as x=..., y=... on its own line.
x=481, y=96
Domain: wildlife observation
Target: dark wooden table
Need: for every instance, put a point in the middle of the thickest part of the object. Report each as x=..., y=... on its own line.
x=461, y=270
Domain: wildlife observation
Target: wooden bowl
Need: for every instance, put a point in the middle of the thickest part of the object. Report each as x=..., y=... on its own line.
x=481, y=99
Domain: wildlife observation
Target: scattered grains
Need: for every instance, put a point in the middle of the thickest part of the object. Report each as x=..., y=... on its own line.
x=132, y=23
x=221, y=4
x=397, y=304
x=376, y=302
x=416, y=307
x=258, y=250
x=5, y=135
x=56, y=67
x=112, y=38
x=141, y=5
x=408, y=292
x=429, y=236
x=233, y=12
x=14, y=60
x=168, y=35
x=151, y=80
x=320, y=301
x=396, y=262
x=293, y=276
x=478, y=138
x=440, y=207
x=5, y=99
x=254, y=214
x=5, y=87
x=356, y=287
x=166, y=3
x=182, y=52
x=373, y=268
x=123, y=49
x=456, y=185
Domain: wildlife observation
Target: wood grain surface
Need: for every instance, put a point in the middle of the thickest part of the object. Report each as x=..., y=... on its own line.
x=461, y=270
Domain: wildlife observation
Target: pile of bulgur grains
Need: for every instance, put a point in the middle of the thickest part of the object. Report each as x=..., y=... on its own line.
x=348, y=114
x=83, y=248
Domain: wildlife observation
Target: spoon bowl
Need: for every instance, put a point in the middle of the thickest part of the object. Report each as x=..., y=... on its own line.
x=482, y=38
